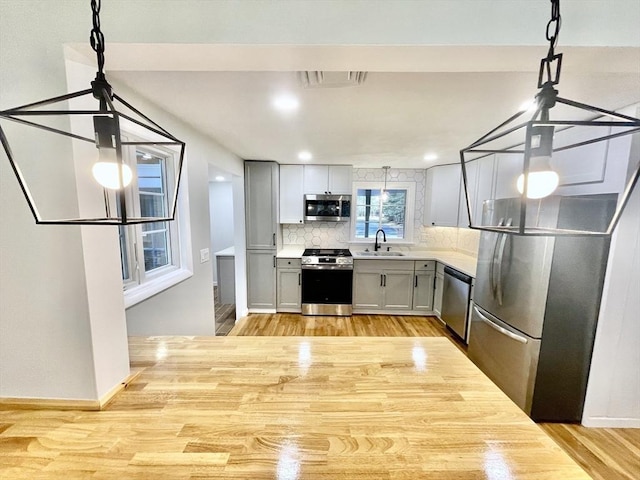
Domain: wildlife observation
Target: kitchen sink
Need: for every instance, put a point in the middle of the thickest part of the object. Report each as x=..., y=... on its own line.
x=381, y=254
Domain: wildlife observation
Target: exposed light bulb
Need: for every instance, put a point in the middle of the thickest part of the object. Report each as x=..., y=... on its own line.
x=107, y=171
x=107, y=174
x=540, y=184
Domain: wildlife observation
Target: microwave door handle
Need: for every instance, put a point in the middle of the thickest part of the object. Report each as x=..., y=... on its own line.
x=503, y=242
x=492, y=274
x=502, y=330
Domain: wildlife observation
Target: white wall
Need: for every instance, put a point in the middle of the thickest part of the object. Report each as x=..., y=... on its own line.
x=613, y=391
x=221, y=211
x=186, y=308
x=58, y=338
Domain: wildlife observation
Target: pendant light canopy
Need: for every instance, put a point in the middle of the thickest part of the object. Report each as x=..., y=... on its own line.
x=566, y=154
x=90, y=157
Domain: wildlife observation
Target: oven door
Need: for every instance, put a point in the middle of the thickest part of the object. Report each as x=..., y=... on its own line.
x=327, y=290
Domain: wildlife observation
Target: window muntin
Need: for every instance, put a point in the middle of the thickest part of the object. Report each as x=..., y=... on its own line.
x=381, y=209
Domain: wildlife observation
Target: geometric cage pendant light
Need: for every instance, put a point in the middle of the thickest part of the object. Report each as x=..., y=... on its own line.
x=90, y=157
x=568, y=170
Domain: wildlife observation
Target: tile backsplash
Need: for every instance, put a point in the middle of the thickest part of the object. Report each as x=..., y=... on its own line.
x=337, y=234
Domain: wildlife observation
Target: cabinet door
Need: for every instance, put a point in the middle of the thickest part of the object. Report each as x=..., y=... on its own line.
x=484, y=186
x=261, y=190
x=423, y=290
x=442, y=196
x=437, y=295
x=340, y=179
x=289, y=289
x=472, y=187
x=508, y=168
x=367, y=289
x=291, y=194
x=261, y=279
x=398, y=290
x=316, y=178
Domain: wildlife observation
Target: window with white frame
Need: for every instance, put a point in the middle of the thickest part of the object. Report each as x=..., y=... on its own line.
x=390, y=210
x=150, y=253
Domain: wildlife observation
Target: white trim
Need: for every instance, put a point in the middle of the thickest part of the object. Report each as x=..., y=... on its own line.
x=607, y=422
x=410, y=204
x=142, y=292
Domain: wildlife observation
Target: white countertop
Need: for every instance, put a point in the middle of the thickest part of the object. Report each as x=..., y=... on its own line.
x=464, y=263
x=227, y=252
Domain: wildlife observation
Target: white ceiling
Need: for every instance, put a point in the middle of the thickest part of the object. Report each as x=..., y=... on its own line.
x=415, y=100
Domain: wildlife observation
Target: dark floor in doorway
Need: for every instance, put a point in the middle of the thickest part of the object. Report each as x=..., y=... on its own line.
x=225, y=315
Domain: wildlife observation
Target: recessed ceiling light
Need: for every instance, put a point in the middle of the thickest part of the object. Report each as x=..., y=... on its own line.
x=285, y=103
x=220, y=178
x=430, y=157
x=305, y=156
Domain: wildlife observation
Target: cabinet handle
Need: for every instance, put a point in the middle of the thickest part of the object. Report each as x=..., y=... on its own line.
x=274, y=239
x=381, y=280
x=299, y=279
x=274, y=261
x=385, y=281
x=416, y=284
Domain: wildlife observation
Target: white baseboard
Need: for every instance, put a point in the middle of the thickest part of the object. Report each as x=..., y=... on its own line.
x=607, y=422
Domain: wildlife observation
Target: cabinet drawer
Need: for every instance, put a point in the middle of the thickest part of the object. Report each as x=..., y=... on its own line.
x=379, y=265
x=425, y=265
x=288, y=262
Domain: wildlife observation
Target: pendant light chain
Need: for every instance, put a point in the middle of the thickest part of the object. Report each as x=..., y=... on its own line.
x=97, y=37
x=553, y=26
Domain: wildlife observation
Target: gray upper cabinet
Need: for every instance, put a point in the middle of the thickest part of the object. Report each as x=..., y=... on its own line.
x=328, y=179
x=291, y=194
x=261, y=196
x=442, y=196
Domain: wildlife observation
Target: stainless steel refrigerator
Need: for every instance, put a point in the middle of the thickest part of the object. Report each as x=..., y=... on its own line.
x=536, y=304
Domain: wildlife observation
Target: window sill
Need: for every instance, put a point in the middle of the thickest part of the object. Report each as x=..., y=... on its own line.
x=138, y=294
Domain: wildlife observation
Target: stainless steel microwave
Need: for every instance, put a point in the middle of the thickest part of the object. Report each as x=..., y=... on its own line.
x=327, y=208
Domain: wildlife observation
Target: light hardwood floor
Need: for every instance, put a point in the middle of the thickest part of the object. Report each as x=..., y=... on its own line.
x=605, y=453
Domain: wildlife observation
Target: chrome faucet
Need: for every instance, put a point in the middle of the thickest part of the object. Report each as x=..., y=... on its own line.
x=376, y=247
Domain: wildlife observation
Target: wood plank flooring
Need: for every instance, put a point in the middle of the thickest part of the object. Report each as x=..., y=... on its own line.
x=289, y=408
x=225, y=314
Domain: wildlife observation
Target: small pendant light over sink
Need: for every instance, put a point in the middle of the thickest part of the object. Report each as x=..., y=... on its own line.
x=90, y=157
x=553, y=160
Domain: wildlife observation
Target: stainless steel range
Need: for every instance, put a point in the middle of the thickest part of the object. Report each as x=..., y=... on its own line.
x=327, y=282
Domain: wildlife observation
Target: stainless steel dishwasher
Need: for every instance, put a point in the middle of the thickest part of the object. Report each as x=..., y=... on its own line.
x=455, y=302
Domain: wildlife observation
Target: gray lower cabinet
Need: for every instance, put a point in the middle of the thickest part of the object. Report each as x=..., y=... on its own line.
x=289, y=285
x=437, y=292
x=423, y=285
x=261, y=279
x=382, y=285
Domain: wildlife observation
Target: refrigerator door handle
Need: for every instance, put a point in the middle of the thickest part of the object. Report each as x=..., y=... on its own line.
x=492, y=276
x=504, y=331
x=502, y=241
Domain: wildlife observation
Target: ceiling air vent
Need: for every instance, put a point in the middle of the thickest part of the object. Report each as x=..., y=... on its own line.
x=331, y=79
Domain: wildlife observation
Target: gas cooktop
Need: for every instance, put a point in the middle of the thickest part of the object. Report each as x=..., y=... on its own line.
x=327, y=252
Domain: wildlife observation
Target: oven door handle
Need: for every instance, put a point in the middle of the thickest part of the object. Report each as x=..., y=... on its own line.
x=327, y=267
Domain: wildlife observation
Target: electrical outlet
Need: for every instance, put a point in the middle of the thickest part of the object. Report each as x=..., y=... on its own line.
x=204, y=255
